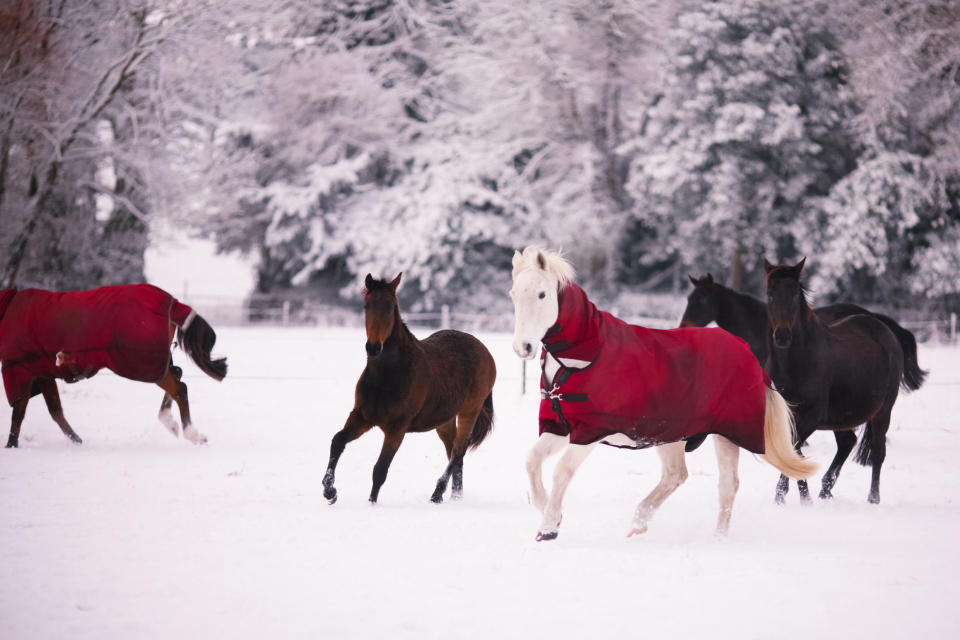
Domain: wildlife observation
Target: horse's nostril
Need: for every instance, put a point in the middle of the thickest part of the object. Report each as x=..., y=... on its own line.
x=373, y=348
x=527, y=348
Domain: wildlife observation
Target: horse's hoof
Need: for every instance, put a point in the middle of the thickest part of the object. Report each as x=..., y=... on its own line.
x=779, y=499
x=456, y=495
x=435, y=499
x=826, y=495
x=636, y=531
x=549, y=535
x=330, y=494
x=12, y=444
x=76, y=440
x=874, y=498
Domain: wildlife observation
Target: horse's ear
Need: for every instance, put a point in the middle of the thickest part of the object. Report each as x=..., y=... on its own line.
x=709, y=278
x=517, y=258
x=368, y=282
x=396, y=282
x=768, y=267
x=692, y=279
x=799, y=266
x=541, y=260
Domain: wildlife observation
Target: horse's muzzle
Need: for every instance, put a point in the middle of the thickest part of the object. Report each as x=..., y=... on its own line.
x=782, y=337
x=374, y=349
x=524, y=349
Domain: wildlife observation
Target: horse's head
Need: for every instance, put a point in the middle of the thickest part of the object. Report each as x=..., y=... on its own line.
x=786, y=300
x=538, y=278
x=702, y=304
x=381, y=312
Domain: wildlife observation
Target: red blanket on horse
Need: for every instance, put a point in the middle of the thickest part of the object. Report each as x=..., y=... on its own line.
x=72, y=335
x=654, y=386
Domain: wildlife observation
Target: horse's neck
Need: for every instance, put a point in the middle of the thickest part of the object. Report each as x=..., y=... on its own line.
x=401, y=347
x=738, y=310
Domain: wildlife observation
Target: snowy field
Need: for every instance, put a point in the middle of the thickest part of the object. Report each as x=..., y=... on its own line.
x=137, y=535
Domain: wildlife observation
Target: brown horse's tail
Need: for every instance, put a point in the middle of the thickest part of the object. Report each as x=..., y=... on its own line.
x=483, y=425
x=197, y=340
x=913, y=375
x=778, y=439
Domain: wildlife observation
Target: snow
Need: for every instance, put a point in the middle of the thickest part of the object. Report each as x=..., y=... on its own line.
x=135, y=534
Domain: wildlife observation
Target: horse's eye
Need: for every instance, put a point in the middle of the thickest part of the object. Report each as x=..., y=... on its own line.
x=543, y=294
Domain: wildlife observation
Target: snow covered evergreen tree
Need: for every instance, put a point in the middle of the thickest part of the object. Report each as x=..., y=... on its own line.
x=753, y=124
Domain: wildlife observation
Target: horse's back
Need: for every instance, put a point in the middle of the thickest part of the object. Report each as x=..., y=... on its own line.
x=458, y=354
x=74, y=334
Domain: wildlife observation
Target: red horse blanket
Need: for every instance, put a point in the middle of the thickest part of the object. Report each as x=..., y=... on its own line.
x=654, y=386
x=73, y=335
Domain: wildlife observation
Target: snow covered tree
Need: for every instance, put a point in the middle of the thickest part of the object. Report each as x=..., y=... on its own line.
x=753, y=125
x=902, y=199
x=81, y=135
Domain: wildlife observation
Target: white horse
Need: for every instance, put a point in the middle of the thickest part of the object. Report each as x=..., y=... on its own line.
x=538, y=278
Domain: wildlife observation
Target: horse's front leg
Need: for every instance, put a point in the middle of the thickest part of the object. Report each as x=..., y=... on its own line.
x=572, y=458
x=48, y=387
x=547, y=445
x=806, y=424
x=19, y=411
x=391, y=442
x=355, y=427
x=673, y=473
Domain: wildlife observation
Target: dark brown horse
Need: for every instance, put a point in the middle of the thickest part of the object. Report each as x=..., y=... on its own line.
x=837, y=376
x=45, y=335
x=746, y=317
x=444, y=382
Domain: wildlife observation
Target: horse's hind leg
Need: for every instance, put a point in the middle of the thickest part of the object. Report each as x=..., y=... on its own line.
x=48, y=387
x=846, y=439
x=178, y=391
x=19, y=410
x=448, y=434
x=166, y=418
x=728, y=459
x=673, y=473
x=877, y=432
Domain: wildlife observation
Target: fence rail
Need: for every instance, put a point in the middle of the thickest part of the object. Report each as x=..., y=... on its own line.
x=304, y=313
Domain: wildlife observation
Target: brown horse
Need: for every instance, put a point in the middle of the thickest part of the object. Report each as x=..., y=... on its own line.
x=444, y=382
x=129, y=329
x=837, y=376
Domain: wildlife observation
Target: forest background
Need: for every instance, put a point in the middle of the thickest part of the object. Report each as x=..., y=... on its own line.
x=648, y=139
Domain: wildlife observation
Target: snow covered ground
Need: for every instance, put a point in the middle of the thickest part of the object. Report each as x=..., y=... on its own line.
x=137, y=535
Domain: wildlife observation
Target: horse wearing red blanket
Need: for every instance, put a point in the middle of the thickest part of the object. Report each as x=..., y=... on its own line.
x=128, y=329
x=605, y=381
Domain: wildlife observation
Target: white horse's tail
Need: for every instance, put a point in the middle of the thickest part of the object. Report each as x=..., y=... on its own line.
x=778, y=436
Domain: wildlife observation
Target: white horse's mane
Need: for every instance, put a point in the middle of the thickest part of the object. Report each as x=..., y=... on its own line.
x=550, y=261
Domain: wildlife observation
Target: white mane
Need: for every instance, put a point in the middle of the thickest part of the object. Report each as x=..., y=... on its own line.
x=550, y=261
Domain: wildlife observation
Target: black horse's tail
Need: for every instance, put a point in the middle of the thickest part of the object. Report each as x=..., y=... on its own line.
x=913, y=375
x=864, y=454
x=483, y=425
x=198, y=340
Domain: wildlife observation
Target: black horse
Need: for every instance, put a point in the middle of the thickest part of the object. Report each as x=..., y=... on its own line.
x=837, y=376
x=746, y=317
